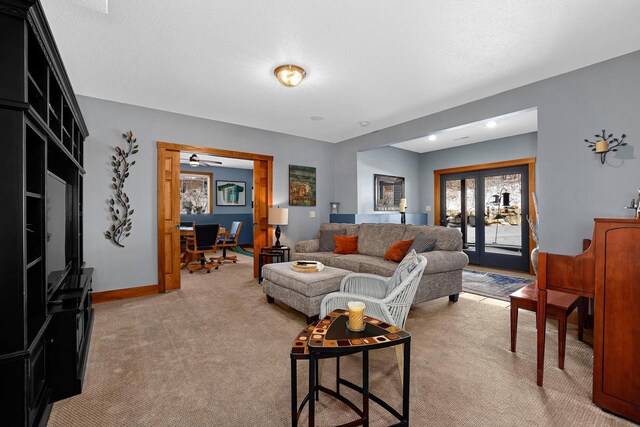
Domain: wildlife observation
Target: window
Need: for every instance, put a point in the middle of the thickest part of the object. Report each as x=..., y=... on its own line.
x=195, y=193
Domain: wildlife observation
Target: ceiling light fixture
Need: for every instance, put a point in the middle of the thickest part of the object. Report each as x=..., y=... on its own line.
x=433, y=137
x=364, y=123
x=194, y=160
x=290, y=75
x=492, y=124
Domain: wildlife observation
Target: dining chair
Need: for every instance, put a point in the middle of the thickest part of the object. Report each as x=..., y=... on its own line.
x=204, y=241
x=229, y=240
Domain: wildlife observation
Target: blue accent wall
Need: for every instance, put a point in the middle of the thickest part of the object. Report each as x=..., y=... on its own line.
x=392, y=218
x=227, y=174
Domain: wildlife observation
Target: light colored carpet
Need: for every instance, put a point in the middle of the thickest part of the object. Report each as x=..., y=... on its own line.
x=216, y=354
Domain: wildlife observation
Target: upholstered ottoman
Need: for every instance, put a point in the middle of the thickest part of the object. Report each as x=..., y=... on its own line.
x=300, y=291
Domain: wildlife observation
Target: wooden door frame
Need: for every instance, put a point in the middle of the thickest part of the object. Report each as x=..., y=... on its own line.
x=219, y=153
x=530, y=162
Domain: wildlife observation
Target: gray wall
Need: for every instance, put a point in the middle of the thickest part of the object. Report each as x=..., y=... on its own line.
x=227, y=174
x=497, y=150
x=573, y=187
x=136, y=264
x=387, y=161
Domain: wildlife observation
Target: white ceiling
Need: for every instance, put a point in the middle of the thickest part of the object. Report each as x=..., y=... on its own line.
x=379, y=61
x=507, y=125
x=227, y=162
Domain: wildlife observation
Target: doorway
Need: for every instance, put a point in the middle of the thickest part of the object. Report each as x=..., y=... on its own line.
x=489, y=204
x=169, y=206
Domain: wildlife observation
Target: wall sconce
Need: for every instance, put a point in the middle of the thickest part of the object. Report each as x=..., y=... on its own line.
x=334, y=207
x=604, y=144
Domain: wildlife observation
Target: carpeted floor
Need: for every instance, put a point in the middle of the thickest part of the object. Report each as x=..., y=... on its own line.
x=216, y=354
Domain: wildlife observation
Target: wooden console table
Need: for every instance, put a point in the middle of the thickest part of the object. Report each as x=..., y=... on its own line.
x=609, y=272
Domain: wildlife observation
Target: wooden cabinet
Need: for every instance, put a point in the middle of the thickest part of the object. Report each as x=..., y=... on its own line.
x=616, y=363
x=42, y=133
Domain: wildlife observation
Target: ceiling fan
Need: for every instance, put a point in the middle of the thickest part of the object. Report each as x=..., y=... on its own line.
x=195, y=161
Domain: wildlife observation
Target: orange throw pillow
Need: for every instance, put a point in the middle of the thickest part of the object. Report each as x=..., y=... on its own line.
x=346, y=245
x=398, y=250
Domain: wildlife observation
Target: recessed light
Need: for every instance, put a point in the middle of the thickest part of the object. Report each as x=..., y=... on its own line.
x=433, y=137
x=316, y=118
x=364, y=123
x=492, y=124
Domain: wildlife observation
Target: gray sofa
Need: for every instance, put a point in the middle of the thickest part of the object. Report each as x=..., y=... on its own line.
x=442, y=277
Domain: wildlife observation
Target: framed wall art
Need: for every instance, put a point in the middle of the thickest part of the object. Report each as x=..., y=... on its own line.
x=231, y=193
x=388, y=190
x=302, y=186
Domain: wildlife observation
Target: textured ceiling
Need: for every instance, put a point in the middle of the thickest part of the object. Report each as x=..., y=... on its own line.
x=380, y=61
x=510, y=124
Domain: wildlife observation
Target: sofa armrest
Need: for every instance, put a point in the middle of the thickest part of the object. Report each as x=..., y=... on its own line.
x=443, y=261
x=308, y=246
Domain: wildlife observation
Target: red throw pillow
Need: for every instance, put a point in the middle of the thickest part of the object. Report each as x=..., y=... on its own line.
x=398, y=250
x=346, y=245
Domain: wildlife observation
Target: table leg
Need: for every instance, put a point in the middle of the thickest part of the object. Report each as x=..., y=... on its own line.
x=514, y=324
x=338, y=374
x=317, y=379
x=312, y=390
x=405, y=382
x=541, y=321
x=294, y=392
x=365, y=388
x=583, y=307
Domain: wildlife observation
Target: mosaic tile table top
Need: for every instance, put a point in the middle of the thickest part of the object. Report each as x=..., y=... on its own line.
x=330, y=335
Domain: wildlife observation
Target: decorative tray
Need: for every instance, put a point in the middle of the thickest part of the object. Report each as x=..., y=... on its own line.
x=307, y=266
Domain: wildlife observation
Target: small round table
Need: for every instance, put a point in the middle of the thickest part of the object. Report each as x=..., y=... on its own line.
x=330, y=338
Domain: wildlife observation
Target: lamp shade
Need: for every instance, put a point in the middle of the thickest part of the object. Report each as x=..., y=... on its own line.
x=278, y=216
x=403, y=205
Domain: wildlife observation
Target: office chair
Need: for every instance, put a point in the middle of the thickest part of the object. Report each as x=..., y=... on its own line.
x=204, y=240
x=229, y=240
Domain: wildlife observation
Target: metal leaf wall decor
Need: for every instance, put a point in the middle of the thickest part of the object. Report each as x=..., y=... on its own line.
x=120, y=206
x=604, y=144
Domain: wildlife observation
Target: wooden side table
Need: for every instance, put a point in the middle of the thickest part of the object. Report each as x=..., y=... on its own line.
x=559, y=306
x=329, y=338
x=273, y=254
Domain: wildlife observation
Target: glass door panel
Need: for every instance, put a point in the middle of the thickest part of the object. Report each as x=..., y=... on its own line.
x=488, y=206
x=503, y=219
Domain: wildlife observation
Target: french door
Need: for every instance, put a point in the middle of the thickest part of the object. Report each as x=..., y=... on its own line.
x=490, y=207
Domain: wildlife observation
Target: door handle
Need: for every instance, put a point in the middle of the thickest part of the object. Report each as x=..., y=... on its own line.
x=177, y=226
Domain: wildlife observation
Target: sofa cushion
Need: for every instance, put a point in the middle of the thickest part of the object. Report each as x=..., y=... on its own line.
x=323, y=257
x=348, y=262
x=398, y=250
x=375, y=239
x=350, y=229
x=327, y=244
x=346, y=245
x=423, y=243
x=447, y=238
x=378, y=266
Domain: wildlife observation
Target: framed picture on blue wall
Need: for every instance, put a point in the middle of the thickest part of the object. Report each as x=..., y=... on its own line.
x=231, y=193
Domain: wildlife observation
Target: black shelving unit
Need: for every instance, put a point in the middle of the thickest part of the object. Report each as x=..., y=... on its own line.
x=45, y=316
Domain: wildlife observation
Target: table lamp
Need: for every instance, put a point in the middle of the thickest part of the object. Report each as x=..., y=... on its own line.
x=278, y=217
x=403, y=210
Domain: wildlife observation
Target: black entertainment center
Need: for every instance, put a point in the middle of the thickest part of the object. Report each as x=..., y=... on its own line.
x=46, y=313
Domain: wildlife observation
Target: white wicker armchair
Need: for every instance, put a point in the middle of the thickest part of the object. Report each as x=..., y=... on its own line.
x=390, y=306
